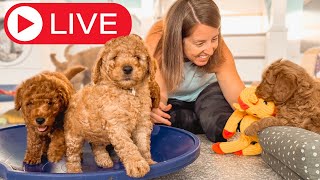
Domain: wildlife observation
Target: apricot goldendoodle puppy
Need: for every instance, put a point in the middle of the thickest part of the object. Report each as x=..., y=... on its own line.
x=115, y=108
x=43, y=100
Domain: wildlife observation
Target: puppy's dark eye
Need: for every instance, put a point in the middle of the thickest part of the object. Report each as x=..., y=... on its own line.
x=29, y=103
x=50, y=103
x=111, y=56
x=138, y=58
x=265, y=102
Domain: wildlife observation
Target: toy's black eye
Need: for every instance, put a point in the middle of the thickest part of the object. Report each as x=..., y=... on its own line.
x=50, y=103
x=265, y=102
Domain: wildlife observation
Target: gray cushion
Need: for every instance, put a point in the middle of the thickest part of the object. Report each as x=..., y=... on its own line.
x=297, y=149
x=279, y=167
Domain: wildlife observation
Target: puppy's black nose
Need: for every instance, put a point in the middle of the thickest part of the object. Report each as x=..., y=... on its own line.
x=40, y=120
x=127, y=69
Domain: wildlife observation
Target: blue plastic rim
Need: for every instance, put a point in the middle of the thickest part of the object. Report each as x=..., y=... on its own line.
x=172, y=148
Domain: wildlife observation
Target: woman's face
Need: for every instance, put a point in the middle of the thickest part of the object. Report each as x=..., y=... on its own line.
x=201, y=44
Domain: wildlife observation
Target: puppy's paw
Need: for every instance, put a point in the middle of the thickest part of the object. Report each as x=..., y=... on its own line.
x=252, y=130
x=150, y=161
x=137, y=169
x=55, y=155
x=104, y=160
x=147, y=156
x=73, y=167
x=54, y=159
x=32, y=161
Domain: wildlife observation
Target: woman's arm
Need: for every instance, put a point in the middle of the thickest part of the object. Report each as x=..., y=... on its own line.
x=228, y=77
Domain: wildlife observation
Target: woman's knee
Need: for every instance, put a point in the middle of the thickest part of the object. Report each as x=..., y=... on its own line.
x=185, y=119
x=213, y=111
x=214, y=125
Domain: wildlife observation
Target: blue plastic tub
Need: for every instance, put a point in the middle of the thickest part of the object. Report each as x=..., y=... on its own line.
x=172, y=148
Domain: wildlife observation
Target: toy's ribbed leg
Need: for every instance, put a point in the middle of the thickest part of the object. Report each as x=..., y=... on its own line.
x=252, y=149
x=232, y=124
x=230, y=147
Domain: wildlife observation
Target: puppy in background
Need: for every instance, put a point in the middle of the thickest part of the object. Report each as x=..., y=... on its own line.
x=83, y=58
x=296, y=95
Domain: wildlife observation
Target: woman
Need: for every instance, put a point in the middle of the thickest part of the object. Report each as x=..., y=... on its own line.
x=197, y=74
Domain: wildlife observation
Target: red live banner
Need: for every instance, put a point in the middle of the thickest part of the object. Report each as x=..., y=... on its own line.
x=66, y=23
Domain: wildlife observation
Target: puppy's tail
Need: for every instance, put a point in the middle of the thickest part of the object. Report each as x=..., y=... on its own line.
x=67, y=55
x=70, y=73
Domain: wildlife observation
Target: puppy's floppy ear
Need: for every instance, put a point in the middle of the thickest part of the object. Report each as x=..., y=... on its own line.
x=96, y=69
x=269, y=76
x=63, y=86
x=18, y=97
x=65, y=95
x=285, y=86
x=153, y=85
x=275, y=68
x=137, y=36
x=152, y=67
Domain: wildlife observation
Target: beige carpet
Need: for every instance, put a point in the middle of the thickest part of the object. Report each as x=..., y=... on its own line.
x=214, y=166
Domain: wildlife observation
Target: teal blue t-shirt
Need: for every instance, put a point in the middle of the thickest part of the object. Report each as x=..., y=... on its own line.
x=193, y=83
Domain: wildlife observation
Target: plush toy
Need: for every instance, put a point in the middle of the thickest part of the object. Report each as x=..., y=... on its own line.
x=248, y=110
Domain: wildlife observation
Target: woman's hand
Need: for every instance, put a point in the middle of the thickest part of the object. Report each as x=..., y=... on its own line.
x=158, y=115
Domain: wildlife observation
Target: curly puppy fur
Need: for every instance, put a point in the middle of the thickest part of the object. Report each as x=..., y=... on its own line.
x=115, y=109
x=296, y=96
x=84, y=58
x=43, y=100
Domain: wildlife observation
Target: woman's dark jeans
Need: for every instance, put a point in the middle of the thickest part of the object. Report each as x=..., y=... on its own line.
x=208, y=114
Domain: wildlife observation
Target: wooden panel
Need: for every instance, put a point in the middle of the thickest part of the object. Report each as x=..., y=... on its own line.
x=246, y=45
x=250, y=69
x=244, y=24
x=240, y=7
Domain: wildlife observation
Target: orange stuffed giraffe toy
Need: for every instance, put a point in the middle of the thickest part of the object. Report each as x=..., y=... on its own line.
x=249, y=109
